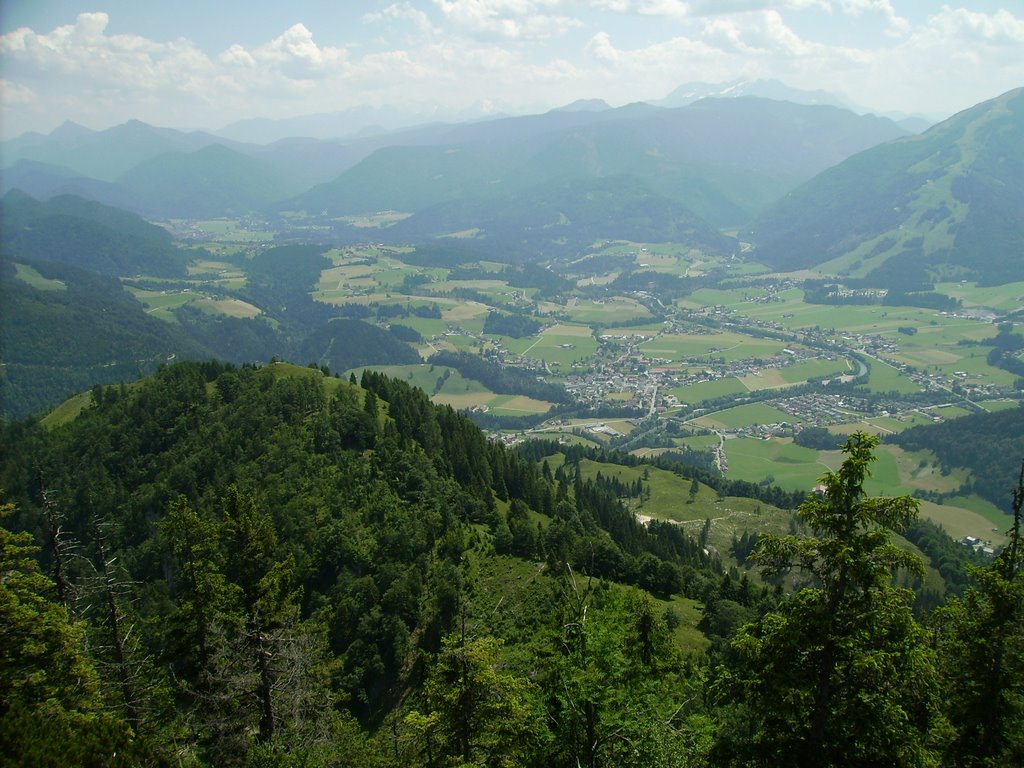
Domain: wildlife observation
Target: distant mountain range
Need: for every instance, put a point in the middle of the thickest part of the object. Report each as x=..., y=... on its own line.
x=720, y=159
x=948, y=204
x=810, y=185
x=765, y=89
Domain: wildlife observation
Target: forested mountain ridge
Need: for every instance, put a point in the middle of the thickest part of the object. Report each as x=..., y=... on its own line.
x=74, y=329
x=986, y=443
x=274, y=566
x=68, y=322
x=87, y=235
x=212, y=181
x=335, y=520
x=942, y=205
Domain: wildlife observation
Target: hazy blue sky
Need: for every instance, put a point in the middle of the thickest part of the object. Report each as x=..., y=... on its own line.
x=204, y=63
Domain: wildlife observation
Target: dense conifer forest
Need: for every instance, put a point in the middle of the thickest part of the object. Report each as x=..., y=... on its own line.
x=271, y=566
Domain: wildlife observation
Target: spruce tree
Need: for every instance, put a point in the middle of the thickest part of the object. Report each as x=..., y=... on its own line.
x=840, y=674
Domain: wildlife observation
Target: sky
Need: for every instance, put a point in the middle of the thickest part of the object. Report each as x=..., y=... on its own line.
x=192, y=64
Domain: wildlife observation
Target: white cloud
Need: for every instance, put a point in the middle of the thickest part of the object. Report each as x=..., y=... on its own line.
x=17, y=95
x=682, y=9
x=296, y=55
x=999, y=29
x=956, y=58
x=897, y=25
x=401, y=12
x=601, y=49
x=458, y=52
x=84, y=51
x=756, y=34
x=507, y=19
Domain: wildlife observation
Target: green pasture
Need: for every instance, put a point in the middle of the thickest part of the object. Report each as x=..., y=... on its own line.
x=919, y=470
x=614, y=310
x=708, y=390
x=689, y=612
x=731, y=347
x=742, y=416
x=975, y=365
x=227, y=230
x=788, y=308
x=669, y=499
x=67, y=411
x=426, y=326
x=498, y=290
x=161, y=304
x=960, y=521
x=380, y=220
x=554, y=348
x=882, y=425
x=215, y=269
x=457, y=342
x=814, y=369
x=457, y=384
x=517, y=405
x=1006, y=297
x=570, y=437
x=999, y=520
x=949, y=411
x=746, y=268
x=31, y=276
x=712, y=297
x=422, y=375
x=669, y=493
x=390, y=277
x=698, y=442
x=640, y=330
x=999, y=405
x=885, y=378
x=793, y=467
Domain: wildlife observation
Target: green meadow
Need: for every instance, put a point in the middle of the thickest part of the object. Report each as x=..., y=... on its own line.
x=31, y=276
x=708, y=390
x=886, y=378
x=1006, y=297
x=613, y=310
x=791, y=466
x=742, y=416
x=730, y=347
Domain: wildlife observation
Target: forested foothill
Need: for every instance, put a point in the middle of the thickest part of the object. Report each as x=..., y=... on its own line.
x=273, y=566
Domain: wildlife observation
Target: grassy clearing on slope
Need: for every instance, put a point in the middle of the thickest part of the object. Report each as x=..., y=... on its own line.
x=960, y=521
x=31, y=276
x=67, y=411
x=792, y=467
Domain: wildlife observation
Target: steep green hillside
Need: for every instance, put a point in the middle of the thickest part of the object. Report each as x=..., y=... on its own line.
x=252, y=566
x=87, y=235
x=72, y=329
x=988, y=444
x=943, y=205
x=343, y=535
